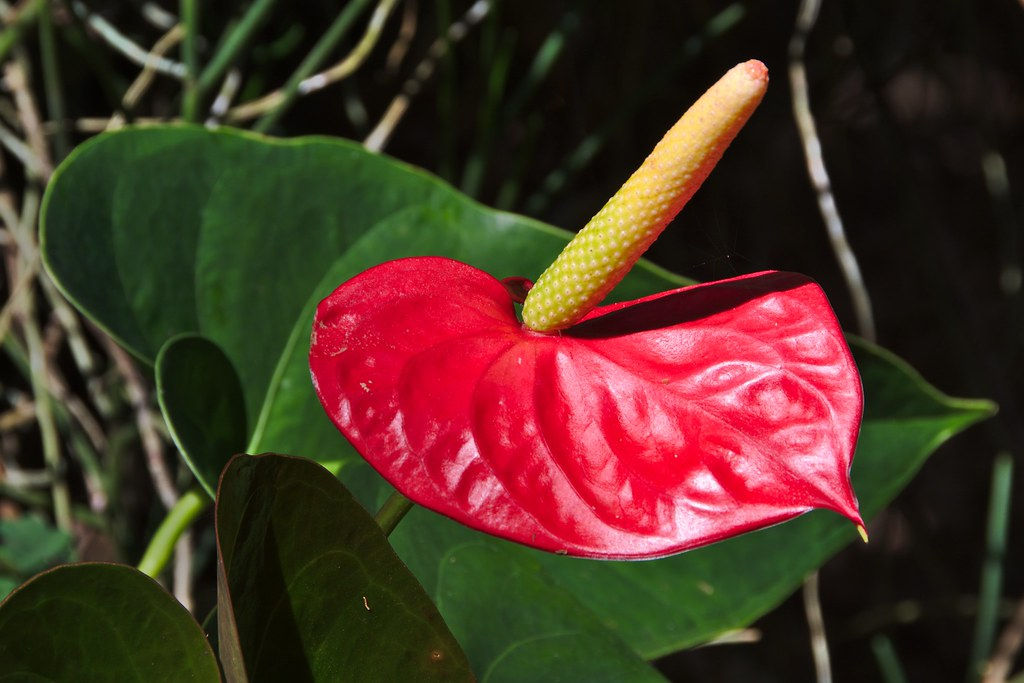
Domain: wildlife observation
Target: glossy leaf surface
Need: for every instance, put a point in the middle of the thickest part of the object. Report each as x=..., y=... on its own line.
x=648, y=428
x=87, y=622
x=242, y=210
x=311, y=587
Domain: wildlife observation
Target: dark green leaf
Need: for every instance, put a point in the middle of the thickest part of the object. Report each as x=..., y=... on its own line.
x=249, y=234
x=89, y=622
x=28, y=545
x=556, y=639
x=201, y=398
x=315, y=591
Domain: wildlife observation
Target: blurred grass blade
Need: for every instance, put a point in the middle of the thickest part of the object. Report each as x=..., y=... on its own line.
x=992, y=571
x=888, y=661
x=235, y=41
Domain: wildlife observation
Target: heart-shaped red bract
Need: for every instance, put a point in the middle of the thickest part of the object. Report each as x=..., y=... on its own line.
x=648, y=428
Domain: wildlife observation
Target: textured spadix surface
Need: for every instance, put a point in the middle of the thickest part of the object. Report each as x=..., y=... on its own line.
x=601, y=254
x=650, y=427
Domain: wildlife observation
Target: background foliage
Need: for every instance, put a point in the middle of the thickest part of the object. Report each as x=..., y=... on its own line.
x=543, y=108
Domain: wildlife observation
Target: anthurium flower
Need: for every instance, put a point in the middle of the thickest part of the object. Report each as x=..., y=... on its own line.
x=632, y=430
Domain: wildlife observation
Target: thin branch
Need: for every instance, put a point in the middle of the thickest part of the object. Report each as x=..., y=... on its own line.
x=1007, y=648
x=95, y=124
x=816, y=626
x=145, y=78
x=26, y=276
x=152, y=444
x=39, y=371
x=806, y=17
x=406, y=32
x=380, y=135
x=181, y=584
x=302, y=83
x=23, y=231
x=158, y=16
x=228, y=90
x=115, y=39
x=31, y=121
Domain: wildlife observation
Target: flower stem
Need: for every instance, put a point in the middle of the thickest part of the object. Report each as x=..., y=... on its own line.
x=179, y=518
x=392, y=512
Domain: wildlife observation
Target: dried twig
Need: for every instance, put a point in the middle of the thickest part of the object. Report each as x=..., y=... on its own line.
x=145, y=78
x=816, y=626
x=228, y=90
x=806, y=17
x=377, y=138
x=1007, y=648
x=182, y=577
x=22, y=229
x=31, y=122
x=26, y=277
x=406, y=32
x=158, y=16
x=344, y=68
x=152, y=444
x=123, y=45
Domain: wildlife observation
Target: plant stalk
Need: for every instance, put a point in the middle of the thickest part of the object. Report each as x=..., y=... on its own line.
x=392, y=512
x=179, y=518
x=237, y=39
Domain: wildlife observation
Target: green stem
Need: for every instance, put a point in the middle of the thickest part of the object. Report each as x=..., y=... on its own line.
x=392, y=512
x=235, y=42
x=190, y=20
x=887, y=659
x=317, y=56
x=178, y=519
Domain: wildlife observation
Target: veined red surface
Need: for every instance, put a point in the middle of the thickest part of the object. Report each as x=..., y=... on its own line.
x=648, y=428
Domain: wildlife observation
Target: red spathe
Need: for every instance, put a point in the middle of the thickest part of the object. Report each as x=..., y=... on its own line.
x=650, y=427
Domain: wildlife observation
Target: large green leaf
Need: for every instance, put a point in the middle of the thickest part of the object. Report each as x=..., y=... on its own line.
x=248, y=234
x=312, y=587
x=93, y=622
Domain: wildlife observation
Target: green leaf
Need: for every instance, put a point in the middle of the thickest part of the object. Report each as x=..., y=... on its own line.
x=248, y=234
x=87, y=622
x=314, y=589
x=557, y=639
x=28, y=545
x=201, y=398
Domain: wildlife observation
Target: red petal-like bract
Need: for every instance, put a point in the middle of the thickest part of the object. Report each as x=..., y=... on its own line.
x=648, y=428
